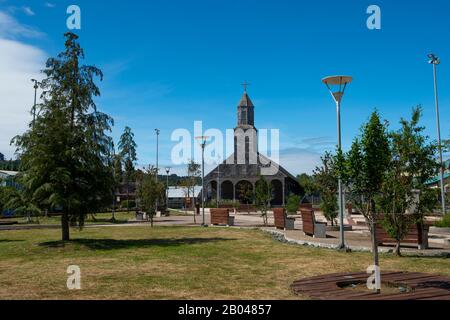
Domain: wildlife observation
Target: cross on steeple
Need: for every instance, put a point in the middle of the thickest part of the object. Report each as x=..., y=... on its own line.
x=245, y=85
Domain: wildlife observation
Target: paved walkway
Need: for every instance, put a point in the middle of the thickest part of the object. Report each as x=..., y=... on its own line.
x=357, y=240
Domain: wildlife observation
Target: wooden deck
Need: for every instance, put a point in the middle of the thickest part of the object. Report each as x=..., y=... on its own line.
x=419, y=286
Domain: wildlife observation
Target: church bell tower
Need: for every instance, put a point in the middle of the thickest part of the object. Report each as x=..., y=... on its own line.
x=245, y=134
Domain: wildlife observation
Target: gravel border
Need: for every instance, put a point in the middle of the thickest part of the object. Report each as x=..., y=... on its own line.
x=280, y=236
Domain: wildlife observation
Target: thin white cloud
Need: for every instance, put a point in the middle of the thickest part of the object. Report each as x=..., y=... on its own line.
x=10, y=28
x=20, y=63
x=28, y=11
x=297, y=160
x=49, y=5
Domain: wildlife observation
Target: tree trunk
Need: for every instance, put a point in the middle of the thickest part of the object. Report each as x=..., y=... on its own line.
x=397, y=249
x=376, y=261
x=65, y=227
x=128, y=197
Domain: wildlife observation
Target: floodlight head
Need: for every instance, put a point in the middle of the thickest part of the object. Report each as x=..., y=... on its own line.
x=35, y=83
x=433, y=59
x=337, y=85
x=202, y=140
x=168, y=169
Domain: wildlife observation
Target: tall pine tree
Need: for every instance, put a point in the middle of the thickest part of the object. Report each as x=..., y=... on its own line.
x=66, y=155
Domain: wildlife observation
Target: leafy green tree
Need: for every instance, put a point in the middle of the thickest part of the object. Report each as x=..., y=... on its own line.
x=117, y=176
x=365, y=170
x=263, y=197
x=20, y=203
x=6, y=193
x=326, y=180
x=245, y=192
x=292, y=204
x=65, y=156
x=308, y=184
x=329, y=207
x=127, y=152
x=194, y=172
x=118, y=172
x=2, y=157
x=405, y=192
x=149, y=191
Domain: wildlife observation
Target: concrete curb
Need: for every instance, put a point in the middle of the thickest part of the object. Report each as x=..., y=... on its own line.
x=280, y=236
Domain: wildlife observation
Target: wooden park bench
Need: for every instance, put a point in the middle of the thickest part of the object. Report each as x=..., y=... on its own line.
x=281, y=220
x=226, y=206
x=417, y=235
x=246, y=208
x=221, y=217
x=305, y=206
x=311, y=227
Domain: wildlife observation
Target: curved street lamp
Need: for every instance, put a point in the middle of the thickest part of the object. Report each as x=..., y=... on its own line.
x=337, y=85
x=203, y=141
x=435, y=61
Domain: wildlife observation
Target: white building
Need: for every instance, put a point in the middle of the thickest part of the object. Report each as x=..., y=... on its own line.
x=7, y=178
x=178, y=196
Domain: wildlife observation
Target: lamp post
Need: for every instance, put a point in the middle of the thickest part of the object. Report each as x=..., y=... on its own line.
x=337, y=85
x=435, y=61
x=202, y=140
x=167, y=187
x=218, y=180
x=157, y=131
x=36, y=86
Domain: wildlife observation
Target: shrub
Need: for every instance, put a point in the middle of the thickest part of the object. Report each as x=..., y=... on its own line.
x=444, y=223
x=131, y=204
x=233, y=204
x=293, y=203
x=329, y=207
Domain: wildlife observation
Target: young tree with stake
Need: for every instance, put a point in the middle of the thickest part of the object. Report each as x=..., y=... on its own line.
x=365, y=171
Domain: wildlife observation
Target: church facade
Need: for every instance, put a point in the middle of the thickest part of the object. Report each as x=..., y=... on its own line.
x=243, y=169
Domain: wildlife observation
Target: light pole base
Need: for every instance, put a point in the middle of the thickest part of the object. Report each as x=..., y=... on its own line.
x=343, y=248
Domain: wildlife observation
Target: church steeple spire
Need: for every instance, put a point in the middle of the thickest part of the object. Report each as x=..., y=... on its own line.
x=246, y=110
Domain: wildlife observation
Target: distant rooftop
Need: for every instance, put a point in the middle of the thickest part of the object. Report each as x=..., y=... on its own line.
x=9, y=173
x=180, y=192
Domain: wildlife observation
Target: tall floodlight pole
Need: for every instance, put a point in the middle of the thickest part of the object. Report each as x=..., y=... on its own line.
x=114, y=186
x=36, y=86
x=167, y=187
x=202, y=140
x=337, y=85
x=218, y=180
x=435, y=61
x=157, y=131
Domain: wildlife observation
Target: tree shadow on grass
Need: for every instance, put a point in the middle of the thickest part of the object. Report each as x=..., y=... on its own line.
x=115, y=221
x=112, y=244
x=7, y=240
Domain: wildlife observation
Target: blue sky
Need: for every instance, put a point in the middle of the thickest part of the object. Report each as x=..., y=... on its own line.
x=169, y=63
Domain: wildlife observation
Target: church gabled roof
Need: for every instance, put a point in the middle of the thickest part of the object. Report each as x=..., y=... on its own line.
x=245, y=101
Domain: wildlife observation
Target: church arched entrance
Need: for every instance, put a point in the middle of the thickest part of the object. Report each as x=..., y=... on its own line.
x=277, y=193
x=212, y=190
x=244, y=192
x=226, y=190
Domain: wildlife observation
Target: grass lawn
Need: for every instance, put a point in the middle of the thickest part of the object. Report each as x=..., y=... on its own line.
x=137, y=262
